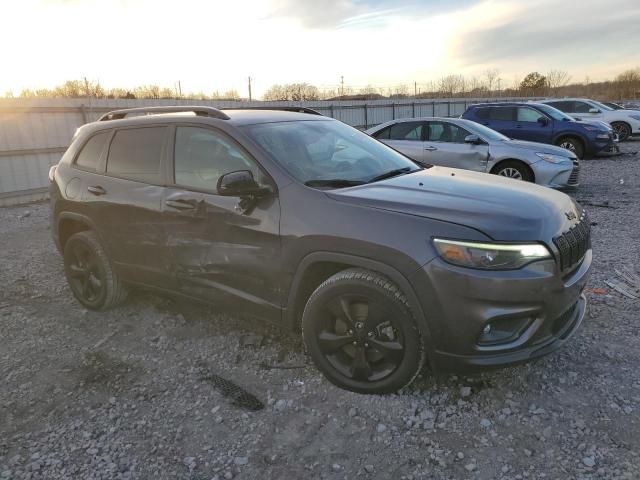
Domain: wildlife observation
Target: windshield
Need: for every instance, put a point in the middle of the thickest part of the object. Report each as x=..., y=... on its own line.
x=329, y=153
x=486, y=132
x=554, y=112
x=602, y=106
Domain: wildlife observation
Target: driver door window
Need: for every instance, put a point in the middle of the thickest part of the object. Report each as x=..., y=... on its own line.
x=202, y=156
x=581, y=107
x=526, y=114
x=446, y=132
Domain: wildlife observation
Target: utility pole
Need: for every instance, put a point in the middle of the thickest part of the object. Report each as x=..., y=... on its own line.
x=179, y=89
x=249, y=88
x=342, y=85
x=415, y=89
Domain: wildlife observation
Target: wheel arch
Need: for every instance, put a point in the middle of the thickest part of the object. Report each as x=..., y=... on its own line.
x=495, y=168
x=70, y=223
x=318, y=266
x=575, y=135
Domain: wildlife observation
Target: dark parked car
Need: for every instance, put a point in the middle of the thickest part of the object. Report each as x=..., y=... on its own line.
x=298, y=218
x=537, y=122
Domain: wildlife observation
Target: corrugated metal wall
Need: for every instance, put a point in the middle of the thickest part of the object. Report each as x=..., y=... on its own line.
x=34, y=133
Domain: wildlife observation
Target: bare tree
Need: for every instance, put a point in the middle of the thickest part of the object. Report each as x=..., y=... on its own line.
x=627, y=84
x=292, y=91
x=557, y=79
x=451, y=85
x=492, y=75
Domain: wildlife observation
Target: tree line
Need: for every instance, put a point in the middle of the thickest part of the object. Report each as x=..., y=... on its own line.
x=625, y=85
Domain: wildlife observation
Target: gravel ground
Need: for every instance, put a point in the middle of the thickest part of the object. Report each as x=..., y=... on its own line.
x=132, y=394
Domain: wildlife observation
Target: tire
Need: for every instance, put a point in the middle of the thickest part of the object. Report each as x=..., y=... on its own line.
x=514, y=169
x=90, y=274
x=572, y=144
x=622, y=129
x=355, y=346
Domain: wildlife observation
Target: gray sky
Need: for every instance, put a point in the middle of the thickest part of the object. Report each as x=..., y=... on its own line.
x=215, y=45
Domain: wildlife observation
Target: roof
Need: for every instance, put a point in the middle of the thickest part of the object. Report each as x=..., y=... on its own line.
x=249, y=117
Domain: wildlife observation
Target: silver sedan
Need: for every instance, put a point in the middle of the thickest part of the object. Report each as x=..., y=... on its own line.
x=459, y=143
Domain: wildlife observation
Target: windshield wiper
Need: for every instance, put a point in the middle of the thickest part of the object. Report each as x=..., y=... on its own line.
x=391, y=173
x=333, y=183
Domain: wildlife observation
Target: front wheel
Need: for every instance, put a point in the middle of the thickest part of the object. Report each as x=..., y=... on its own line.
x=622, y=129
x=573, y=145
x=515, y=170
x=359, y=330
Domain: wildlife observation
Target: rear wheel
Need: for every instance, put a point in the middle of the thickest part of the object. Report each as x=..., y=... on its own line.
x=360, y=332
x=514, y=169
x=622, y=129
x=572, y=144
x=89, y=273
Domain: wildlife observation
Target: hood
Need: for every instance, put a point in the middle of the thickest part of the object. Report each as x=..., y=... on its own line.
x=593, y=123
x=539, y=148
x=501, y=208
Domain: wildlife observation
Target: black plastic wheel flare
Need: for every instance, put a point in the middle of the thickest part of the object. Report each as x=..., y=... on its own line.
x=84, y=273
x=359, y=339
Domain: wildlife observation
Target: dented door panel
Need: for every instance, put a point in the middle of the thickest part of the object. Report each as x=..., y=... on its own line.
x=225, y=249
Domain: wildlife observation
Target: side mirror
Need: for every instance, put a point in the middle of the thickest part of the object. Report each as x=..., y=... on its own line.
x=594, y=110
x=241, y=184
x=543, y=121
x=475, y=139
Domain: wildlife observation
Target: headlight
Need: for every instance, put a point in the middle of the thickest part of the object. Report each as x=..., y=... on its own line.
x=548, y=157
x=635, y=117
x=490, y=256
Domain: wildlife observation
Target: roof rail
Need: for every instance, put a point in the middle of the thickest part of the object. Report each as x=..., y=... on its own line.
x=310, y=111
x=199, y=111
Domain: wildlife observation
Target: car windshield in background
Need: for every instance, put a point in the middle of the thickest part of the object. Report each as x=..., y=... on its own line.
x=329, y=154
x=554, y=112
x=487, y=133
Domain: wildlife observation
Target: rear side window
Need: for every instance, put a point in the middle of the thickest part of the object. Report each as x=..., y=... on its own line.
x=502, y=113
x=90, y=153
x=135, y=154
x=562, y=106
x=482, y=113
x=406, y=131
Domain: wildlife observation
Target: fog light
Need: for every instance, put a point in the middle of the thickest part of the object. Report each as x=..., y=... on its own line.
x=503, y=330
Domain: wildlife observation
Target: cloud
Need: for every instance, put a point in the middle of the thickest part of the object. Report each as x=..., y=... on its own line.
x=550, y=32
x=360, y=13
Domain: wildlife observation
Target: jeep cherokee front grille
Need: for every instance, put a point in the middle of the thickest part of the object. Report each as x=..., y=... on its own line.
x=574, y=243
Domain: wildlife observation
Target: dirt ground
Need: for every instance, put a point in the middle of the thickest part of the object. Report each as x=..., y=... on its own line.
x=134, y=392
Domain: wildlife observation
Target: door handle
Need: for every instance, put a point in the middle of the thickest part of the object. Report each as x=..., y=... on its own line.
x=181, y=204
x=518, y=126
x=430, y=148
x=96, y=190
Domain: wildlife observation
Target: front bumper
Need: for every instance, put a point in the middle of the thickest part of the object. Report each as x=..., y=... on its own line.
x=544, y=308
x=557, y=175
x=598, y=146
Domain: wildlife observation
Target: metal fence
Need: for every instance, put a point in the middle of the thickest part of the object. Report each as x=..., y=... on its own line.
x=34, y=133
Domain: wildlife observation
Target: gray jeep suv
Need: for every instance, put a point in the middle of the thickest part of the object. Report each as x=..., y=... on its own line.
x=382, y=264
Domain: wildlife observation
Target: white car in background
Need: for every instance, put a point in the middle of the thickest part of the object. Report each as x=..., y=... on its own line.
x=625, y=123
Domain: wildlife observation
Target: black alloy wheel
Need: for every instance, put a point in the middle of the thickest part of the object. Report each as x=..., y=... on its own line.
x=83, y=271
x=89, y=273
x=623, y=130
x=360, y=333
